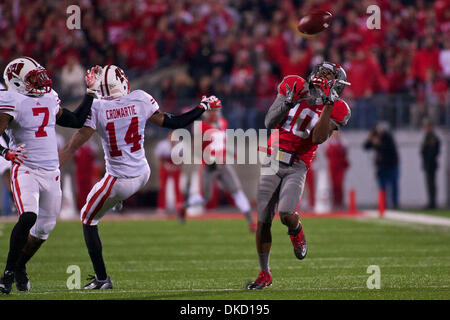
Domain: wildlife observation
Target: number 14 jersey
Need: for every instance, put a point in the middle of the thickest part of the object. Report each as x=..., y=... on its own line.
x=33, y=125
x=120, y=123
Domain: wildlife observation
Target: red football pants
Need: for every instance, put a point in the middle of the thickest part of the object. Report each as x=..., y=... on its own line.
x=164, y=176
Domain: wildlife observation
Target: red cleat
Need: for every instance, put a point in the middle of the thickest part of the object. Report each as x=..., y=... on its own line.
x=252, y=227
x=299, y=244
x=264, y=280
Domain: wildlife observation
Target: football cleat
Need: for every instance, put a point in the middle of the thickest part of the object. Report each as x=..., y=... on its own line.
x=96, y=284
x=299, y=244
x=252, y=227
x=264, y=280
x=22, y=281
x=6, y=281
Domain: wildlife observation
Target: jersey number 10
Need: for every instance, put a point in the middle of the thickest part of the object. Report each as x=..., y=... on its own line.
x=131, y=137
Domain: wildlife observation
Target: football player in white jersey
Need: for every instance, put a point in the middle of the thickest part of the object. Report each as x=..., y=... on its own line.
x=119, y=118
x=29, y=111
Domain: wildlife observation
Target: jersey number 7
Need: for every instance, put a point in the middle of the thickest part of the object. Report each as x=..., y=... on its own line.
x=36, y=112
x=131, y=137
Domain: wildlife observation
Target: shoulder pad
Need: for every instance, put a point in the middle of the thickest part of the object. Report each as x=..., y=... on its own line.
x=341, y=113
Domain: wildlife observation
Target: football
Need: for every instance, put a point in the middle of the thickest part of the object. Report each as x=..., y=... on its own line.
x=314, y=23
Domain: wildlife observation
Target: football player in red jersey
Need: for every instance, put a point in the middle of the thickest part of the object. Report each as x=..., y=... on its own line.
x=212, y=128
x=305, y=112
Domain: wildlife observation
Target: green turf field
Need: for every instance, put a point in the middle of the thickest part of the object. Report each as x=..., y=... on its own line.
x=214, y=259
x=435, y=212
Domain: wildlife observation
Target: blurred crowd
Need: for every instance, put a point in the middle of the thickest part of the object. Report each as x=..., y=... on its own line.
x=240, y=50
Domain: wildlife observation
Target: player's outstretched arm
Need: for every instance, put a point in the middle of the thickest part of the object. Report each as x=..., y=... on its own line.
x=324, y=126
x=77, y=140
x=76, y=119
x=276, y=112
x=286, y=99
x=167, y=120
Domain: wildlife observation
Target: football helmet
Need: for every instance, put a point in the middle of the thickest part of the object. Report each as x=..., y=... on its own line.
x=114, y=83
x=27, y=77
x=334, y=73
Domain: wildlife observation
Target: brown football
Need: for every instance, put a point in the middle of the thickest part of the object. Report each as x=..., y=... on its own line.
x=314, y=22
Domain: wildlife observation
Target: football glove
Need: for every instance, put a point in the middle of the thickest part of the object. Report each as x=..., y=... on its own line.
x=93, y=79
x=210, y=103
x=291, y=93
x=15, y=155
x=326, y=92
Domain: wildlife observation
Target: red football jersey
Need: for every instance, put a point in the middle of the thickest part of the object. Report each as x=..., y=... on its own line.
x=296, y=127
x=215, y=135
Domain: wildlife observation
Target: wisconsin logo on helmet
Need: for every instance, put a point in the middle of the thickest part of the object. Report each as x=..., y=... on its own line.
x=27, y=77
x=114, y=83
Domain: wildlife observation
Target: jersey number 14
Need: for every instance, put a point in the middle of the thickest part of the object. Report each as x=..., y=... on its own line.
x=131, y=137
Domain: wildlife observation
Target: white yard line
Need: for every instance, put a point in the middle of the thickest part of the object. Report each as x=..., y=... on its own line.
x=115, y=291
x=410, y=217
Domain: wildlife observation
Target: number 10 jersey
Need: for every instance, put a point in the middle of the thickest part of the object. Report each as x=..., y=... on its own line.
x=120, y=123
x=33, y=125
x=295, y=130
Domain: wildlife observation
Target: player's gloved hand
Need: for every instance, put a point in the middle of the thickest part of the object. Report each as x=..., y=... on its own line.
x=15, y=155
x=293, y=96
x=325, y=90
x=211, y=103
x=93, y=78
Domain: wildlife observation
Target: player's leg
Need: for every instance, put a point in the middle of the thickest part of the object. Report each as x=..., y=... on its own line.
x=208, y=175
x=26, y=197
x=95, y=202
x=103, y=196
x=50, y=197
x=291, y=190
x=163, y=176
x=230, y=181
x=268, y=193
x=178, y=194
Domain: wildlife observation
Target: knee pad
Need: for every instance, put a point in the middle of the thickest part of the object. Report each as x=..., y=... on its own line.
x=43, y=227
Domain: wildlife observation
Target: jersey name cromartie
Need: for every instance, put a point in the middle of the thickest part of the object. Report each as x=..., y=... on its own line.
x=120, y=123
x=295, y=130
x=33, y=125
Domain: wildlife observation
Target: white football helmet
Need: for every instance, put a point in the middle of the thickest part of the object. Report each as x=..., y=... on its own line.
x=114, y=83
x=27, y=77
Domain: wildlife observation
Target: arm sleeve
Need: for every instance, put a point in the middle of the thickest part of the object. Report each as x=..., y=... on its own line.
x=276, y=113
x=182, y=120
x=76, y=118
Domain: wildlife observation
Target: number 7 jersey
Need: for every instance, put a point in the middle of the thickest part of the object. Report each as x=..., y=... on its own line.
x=120, y=123
x=33, y=125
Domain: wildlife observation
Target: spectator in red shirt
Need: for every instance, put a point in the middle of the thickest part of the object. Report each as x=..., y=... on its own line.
x=427, y=57
x=336, y=153
x=297, y=62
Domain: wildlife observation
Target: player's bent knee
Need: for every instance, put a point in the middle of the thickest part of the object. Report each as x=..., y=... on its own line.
x=43, y=227
x=284, y=217
x=27, y=219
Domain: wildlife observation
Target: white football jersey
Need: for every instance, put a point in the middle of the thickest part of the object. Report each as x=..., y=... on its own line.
x=120, y=124
x=34, y=126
